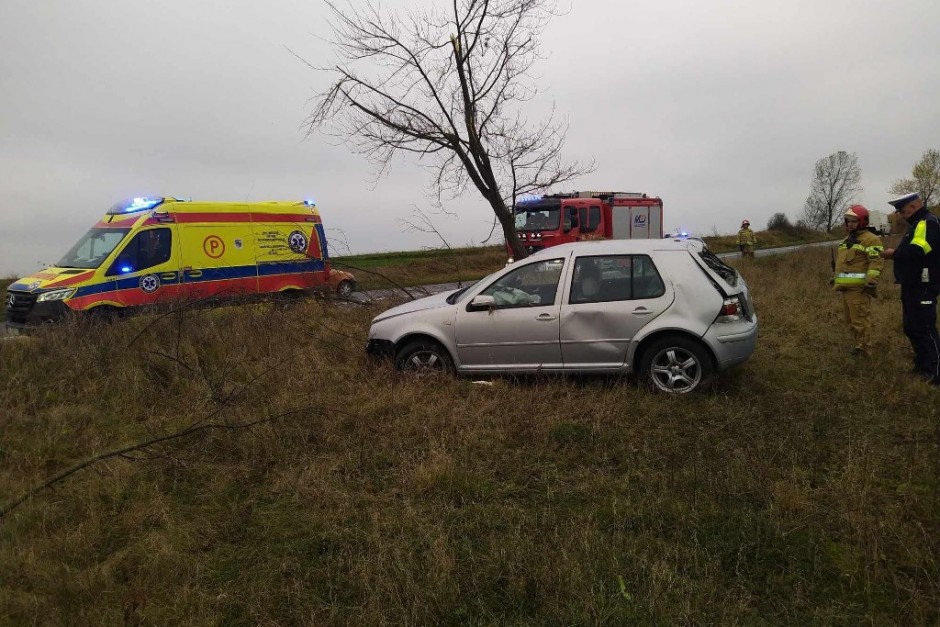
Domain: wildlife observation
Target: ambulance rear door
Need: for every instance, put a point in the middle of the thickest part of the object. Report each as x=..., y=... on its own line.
x=290, y=252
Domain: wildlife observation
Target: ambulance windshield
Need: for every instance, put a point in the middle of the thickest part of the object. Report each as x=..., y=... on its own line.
x=93, y=248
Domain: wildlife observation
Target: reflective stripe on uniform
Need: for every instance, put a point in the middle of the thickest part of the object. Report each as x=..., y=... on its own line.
x=850, y=278
x=920, y=237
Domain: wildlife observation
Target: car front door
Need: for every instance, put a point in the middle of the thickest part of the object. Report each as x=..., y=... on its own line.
x=611, y=299
x=519, y=330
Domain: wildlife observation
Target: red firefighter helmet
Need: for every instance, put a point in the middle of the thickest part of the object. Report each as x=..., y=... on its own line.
x=860, y=212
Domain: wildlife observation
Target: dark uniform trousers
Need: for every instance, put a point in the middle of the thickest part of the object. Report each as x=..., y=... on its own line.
x=919, y=311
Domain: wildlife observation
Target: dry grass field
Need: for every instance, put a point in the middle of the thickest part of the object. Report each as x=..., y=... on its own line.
x=301, y=484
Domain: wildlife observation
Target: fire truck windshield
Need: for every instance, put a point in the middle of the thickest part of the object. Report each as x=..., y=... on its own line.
x=533, y=218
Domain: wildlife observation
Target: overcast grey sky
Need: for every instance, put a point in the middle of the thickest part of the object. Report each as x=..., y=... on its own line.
x=721, y=107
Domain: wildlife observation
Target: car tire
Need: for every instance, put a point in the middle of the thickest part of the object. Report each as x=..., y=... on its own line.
x=676, y=365
x=345, y=288
x=424, y=358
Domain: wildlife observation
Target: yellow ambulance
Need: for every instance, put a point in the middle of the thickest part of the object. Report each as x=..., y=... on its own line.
x=150, y=250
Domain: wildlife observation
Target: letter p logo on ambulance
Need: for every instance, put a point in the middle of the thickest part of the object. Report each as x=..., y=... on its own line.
x=213, y=246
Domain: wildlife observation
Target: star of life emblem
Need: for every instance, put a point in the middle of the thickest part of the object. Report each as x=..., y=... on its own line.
x=149, y=283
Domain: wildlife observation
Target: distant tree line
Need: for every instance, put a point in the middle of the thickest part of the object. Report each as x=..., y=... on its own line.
x=836, y=185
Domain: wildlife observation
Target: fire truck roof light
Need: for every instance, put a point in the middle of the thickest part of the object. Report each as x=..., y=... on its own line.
x=310, y=202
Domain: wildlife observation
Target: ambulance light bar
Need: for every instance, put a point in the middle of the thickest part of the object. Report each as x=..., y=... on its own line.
x=133, y=205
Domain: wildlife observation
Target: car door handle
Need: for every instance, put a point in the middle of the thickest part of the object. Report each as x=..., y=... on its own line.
x=642, y=311
x=545, y=317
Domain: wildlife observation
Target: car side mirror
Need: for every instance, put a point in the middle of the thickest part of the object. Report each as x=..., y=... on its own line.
x=483, y=301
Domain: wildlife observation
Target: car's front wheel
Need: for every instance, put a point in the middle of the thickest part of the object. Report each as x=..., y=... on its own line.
x=424, y=358
x=345, y=288
x=676, y=365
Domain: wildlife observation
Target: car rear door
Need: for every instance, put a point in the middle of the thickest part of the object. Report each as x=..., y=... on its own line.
x=596, y=328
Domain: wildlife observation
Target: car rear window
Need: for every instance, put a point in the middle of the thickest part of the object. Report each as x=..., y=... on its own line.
x=601, y=279
x=719, y=267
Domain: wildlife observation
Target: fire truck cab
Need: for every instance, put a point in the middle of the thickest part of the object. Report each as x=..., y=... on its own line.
x=552, y=219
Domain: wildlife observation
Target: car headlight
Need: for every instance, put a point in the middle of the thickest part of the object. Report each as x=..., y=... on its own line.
x=56, y=295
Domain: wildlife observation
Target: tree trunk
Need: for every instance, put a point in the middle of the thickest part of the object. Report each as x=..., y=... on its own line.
x=507, y=221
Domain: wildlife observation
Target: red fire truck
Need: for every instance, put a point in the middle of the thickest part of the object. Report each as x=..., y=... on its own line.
x=543, y=221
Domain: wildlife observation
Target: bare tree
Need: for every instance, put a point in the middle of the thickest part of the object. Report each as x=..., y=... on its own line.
x=836, y=183
x=448, y=86
x=925, y=178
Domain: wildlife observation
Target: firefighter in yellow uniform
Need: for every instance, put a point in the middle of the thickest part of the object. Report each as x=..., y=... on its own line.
x=747, y=241
x=858, y=269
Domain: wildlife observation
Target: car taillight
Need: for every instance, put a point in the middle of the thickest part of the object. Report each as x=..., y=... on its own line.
x=731, y=310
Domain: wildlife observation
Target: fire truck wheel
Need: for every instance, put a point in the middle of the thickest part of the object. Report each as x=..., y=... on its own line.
x=345, y=288
x=676, y=365
x=424, y=358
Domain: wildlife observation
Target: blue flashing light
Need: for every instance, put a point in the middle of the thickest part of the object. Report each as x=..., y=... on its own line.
x=310, y=202
x=132, y=205
x=683, y=234
x=126, y=269
x=527, y=198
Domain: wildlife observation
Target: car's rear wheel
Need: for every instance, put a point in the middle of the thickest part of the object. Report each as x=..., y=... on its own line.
x=424, y=358
x=677, y=365
x=345, y=288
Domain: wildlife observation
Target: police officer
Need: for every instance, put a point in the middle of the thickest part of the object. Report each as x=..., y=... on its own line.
x=917, y=269
x=746, y=240
x=858, y=268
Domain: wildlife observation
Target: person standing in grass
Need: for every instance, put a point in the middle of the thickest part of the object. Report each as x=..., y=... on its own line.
x=858, y=269
x=747, y=241
x=917, y=269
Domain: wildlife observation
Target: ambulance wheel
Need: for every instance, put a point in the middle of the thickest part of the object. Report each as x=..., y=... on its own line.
x=676, y=365
x=104, y=313
x=424, y=358
x=345, y=288
x=286, y=298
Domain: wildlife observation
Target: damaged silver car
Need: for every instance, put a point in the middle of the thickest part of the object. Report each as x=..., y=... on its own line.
x=670, y=312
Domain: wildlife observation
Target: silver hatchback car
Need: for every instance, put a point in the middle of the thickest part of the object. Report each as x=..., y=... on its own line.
x=669, y=311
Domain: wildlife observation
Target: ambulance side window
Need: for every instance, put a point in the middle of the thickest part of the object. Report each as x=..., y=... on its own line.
x=147, y=249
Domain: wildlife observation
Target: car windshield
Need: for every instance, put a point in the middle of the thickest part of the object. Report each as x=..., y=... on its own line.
x=93, y=248
x=536, y=218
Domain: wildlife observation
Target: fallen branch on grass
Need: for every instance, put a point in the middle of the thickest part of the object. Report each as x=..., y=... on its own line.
x=197, y=427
